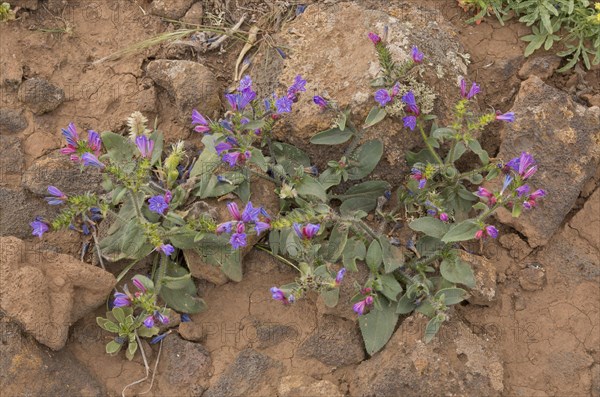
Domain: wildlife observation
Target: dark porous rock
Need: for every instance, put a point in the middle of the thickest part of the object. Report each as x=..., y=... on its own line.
x=190, y=85
x=251, y=374
x=272, y=334
x=11, y=160
x=335, y=342
x=29, y=4
x=194, y=14
x=542, y=67
x=484, y=292
x=563, y=137
x=58, y=170
x=186, y=366
x=29, y=369
x=12, y=121
x=455, y=363
x=40, y=95
x=18, y=209
x=171, y=9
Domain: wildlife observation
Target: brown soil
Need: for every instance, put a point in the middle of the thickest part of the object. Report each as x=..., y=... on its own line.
x=548, y=339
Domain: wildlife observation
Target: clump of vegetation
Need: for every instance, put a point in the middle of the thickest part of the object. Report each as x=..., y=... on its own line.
x=573, y=23
x=322, y=229
x=6, y=13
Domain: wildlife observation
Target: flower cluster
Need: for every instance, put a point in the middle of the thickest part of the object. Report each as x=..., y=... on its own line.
x=306, y=232
x=363, y=305
x=249, y=218
x=145, y=299
x=77, y=148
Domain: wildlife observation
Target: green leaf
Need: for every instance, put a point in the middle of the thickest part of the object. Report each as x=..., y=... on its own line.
x=443, y=133
x=457, y=271
x=405, y=305
x=215, y=188
x=144, y=332
x=376, y=115
x=428, y=246
x=331, y=136
x=366, y=158
x=119, y=314
x=145, y=281
x=290, y=157
x=208, y=160
x=390, y=287
x=311, y=187
x=423, y=156
x=113, y=347
x=131, y=349
x=157, y=151
x=354, y=249
x=426, y=309
x=119, y=148
x=374, y=256
x=330, y=177
x=183, y=239
x=459, y=150
x=393, y=257
x=107, y=325
x=369, y=189
x=179, y=290
x=475, y=146
x=433, y=326
x=331, y=297
x=377, y=326
x=337, y=242
x=535, y=44
x=430, y=226
x=462, y=231
x=452, y=296
x=258, y=158
x=253, y=125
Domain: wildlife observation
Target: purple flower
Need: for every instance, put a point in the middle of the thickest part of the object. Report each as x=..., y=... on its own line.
x=245, y=83
x=417, y=175
x=121, y=300
x=307, y=231
x=298, y=86
x=185, y=318
x=238, y=240
x=158, y=338
x=537, y=194
x=508, y=117
x=240, y=100
x=283, y=105
x=319, y=100
x=411, y=103
x=507, y=181
x=167, y=249
x=234, y=211
x=444, y=217
x=340, y=276
x=410, y=122
x=522, y=190
x=138, y=284
x=250, y=213
x=374, y=38
x=491, y=231
x=161, y=317
x=529, y=173
x=483, y=192
x=525, y=161
x=416, y=55
x=145, y=146
x=359, y=307
x=479, y=234
x=92, y=161
x=232, y=158
x=261, y=227
x=149, y=322
x=59, y=197
x=223, y=147
x=383, y=97
x=71, y=135
x=396, y=89
x=278, y=294
x=94, y=142
x=225, y=227
x=475, y=89
x=201, y=124
x=39, y=227
x=158, y=204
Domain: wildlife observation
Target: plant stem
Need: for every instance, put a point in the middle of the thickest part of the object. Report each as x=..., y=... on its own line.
x=433, y=152
x=94, y=232
x=263, y=176
x=278, y=257
x=162, y=270
x=358, y=134
x=136, y=205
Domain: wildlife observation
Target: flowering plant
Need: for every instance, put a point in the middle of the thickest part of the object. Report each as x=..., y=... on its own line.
x=323, y=228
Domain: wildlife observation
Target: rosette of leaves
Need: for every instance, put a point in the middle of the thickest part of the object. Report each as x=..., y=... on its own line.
x=121, y=321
